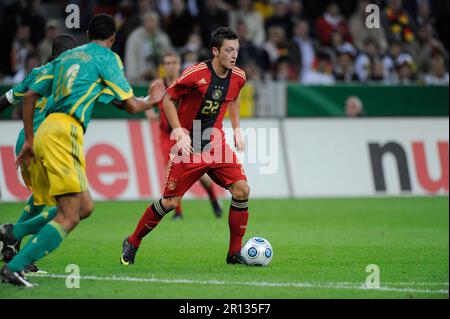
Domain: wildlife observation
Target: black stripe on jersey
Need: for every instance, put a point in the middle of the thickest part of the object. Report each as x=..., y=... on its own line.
x=210, y=108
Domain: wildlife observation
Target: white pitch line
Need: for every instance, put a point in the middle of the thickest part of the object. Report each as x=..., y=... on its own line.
x=405, y=283
x=330, y=285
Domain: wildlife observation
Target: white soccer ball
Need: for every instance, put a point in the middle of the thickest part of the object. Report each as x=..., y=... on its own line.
x=257, y=251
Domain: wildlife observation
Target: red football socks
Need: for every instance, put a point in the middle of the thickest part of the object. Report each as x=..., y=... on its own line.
x=237, y=220
x=149, y=220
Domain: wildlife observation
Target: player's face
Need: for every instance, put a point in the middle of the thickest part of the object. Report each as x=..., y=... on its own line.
x=172, y=66
x=228, y=53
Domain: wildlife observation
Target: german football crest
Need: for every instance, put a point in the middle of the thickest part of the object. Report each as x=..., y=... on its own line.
x=217, y=94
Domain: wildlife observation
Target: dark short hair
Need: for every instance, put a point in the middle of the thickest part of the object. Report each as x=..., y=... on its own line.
x=221, y=34
x=101, y=27
x=62, y=43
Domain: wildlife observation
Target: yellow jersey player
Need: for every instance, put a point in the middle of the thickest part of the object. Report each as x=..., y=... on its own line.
x=78, y=78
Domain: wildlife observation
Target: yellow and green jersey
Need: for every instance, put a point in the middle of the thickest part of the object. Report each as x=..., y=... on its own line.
x=79, y=77
x=16, y=94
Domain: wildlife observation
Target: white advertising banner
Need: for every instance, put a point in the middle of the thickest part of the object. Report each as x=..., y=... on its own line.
x=124, y=161
x=367, y=157
x=288, y=158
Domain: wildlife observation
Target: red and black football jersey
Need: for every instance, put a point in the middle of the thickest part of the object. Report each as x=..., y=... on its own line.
x=204, y=96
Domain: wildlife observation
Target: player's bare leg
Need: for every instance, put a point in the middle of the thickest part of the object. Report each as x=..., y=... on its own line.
x=149, y=220
x=87, y=205
x=68, y=215
x=207, y=184
x=237, y=220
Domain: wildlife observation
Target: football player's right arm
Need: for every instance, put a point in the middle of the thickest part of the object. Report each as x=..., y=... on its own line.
x=108, y=96
x=174, y=93
x=178, y=133
x=171, y=112
x=114, y=77
x=135, y=105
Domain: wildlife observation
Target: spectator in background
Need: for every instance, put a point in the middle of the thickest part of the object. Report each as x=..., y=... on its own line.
x=252, y=18
x=252, y=71
x=354, y=107
x=397, y=23
x=377, y=72
x=275, y=47
x=104, y=6
x=147, y=5
x=44, y=49
x=35, y=20
x=301, y=48
x=165, y=7
x=190, y=58
x=21, y=48
x=265, y=8
x=437, y=71
x=336, y=41
x=360, y=32
x=210, y=18
x=179, y=24
x=424, y=13
x=126, y=20
x=296, y=12
x=194, y=51
x=368, y=61
x=332, y=20
x=322, y=73
x=344, y=68
x=389, y=60
x=284, y=71
x=247, y=49
x=8, y=27
x=406, y=70
x=144, y=48
x=427, y=45
x=32, y=61
x=280, y=18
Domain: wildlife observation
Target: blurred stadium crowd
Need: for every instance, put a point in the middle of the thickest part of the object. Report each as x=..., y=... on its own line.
x=309, y=42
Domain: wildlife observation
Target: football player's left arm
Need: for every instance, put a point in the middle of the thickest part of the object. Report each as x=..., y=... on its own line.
x=234, y=111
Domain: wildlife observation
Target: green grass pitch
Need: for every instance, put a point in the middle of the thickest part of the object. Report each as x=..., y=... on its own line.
x=321, y=250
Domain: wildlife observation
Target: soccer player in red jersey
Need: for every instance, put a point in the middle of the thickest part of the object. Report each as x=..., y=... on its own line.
x=204, y=93
x=171, y=63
